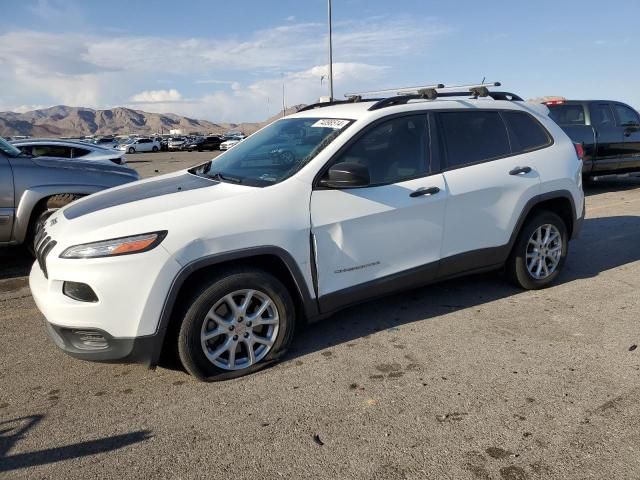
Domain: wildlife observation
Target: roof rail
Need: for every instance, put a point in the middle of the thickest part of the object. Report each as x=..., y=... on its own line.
x=328, y=104
x=403, y=95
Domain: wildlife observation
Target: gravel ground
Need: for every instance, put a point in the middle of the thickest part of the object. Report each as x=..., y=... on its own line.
x=468, y=379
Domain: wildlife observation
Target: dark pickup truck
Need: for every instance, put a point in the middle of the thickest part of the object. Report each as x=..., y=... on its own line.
x=609, y=132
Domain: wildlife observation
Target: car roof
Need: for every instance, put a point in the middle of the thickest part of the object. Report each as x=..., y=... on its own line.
x=360, y=110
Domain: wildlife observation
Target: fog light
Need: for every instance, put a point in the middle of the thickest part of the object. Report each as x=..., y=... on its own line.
x=88, y=339
x=79, y=291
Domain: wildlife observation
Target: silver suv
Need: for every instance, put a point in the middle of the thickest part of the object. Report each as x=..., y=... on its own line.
x=33, y=188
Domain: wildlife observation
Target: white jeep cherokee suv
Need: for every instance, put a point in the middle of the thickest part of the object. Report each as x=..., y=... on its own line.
x=322, y=209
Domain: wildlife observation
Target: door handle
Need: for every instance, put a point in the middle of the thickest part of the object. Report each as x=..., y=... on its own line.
x=424, y=191
x=520, y=171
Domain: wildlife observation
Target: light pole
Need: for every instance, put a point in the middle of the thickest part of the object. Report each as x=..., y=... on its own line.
x=330, y=55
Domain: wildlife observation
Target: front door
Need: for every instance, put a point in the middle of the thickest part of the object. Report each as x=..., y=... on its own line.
x=6, y=199
x=379, y=238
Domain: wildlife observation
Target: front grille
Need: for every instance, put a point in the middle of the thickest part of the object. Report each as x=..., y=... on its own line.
x=44, y=244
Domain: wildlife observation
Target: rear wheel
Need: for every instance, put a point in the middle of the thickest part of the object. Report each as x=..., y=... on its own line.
x=539, y=252
x=235, y=325
x=154, y=149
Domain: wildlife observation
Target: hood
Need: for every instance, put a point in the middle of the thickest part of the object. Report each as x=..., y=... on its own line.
x=80, y=164
x=139, y=199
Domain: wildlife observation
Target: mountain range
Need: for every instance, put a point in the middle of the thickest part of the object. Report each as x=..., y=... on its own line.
x=63, y=121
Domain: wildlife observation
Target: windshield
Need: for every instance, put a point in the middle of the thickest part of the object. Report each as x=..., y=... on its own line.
x=9, y=149
x=276, y=152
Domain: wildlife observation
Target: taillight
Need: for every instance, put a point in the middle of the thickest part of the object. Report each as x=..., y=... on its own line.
x=579, y=150
x=554, y=102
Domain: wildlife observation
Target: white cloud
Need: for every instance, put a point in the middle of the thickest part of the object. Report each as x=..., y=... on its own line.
x=99, y=70
x=157, y=96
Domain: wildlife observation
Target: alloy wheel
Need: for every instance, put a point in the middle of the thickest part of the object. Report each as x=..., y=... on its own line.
x=240, y=329
x=544, y=251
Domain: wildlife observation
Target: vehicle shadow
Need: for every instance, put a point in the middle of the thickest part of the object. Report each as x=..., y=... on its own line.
x=605, y=243
x=12, y=431
x=14, y=262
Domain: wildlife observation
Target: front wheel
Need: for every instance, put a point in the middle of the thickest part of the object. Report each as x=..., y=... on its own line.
x=236, y=324
x=539, y=252
x=132, y=150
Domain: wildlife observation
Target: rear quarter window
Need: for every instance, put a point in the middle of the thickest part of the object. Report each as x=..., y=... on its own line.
x=567, y=114
x=525, y=132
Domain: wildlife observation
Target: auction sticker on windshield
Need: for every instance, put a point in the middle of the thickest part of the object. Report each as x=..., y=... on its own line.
x=330, y=123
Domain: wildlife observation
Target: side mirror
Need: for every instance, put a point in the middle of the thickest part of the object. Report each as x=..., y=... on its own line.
x=346, y=175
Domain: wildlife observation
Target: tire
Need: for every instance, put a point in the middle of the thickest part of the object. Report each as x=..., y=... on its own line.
x=40, y=218
x=516, y=267
x=215, y=293
x=131, y=150
x=154, y=149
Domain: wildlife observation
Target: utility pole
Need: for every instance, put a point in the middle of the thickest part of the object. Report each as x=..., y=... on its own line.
x=330, y=55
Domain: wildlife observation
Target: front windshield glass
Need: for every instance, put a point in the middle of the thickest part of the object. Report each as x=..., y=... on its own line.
x=9, y=149
x=274, y=153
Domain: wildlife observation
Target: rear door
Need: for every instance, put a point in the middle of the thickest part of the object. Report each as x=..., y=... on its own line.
x=609, y=138
x=374, y=239
x=629, y=122
x=6, y=199
x=489, y=178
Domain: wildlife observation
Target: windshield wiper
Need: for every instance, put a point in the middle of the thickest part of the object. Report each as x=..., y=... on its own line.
x=223, y=178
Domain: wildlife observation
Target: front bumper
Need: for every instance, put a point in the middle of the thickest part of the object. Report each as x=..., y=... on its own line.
x=83, y=344
x=131, y=292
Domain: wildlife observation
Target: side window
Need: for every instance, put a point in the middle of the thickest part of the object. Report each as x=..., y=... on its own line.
x=393, y=151
x=601, y=115
x=80, y=152
x=525, y=132
x=51, y=151
x=564, y=114
x=472, y=137
x=626, y=115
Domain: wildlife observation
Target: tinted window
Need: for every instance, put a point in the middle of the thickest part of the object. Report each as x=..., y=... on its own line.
x=393, y=151
x=626, y=115
x=525, y=132
x=567, y=114
x=51, y=151
x=601, y=115
x=80, y=152
x=472, y=137
x=144, y=140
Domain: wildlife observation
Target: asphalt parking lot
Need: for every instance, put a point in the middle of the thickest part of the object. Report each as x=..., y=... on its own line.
x=468, y=379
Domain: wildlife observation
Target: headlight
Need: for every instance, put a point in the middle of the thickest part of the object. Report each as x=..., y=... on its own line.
x=116, y=246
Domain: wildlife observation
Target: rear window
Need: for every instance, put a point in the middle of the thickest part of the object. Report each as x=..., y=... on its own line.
x=525, y=132
x=567, y=114
x=472, y=137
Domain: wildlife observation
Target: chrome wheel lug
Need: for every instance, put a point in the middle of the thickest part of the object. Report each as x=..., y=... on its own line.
x=246, y=334
x=235, y=337
x=231, y=328
x=248, y=324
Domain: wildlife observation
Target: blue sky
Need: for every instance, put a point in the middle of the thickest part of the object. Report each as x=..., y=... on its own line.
x=227, y=61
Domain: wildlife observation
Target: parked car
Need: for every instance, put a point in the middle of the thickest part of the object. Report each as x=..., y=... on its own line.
x=224, y=260
x=176, y=143
x=207, y=143
x=33, y=187
x=44, y=147
x=135, y=145
x=609, y=132
x=232, y=142
x=107, y=142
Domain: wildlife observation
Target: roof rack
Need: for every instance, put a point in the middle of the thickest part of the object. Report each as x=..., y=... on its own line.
x=400, y=96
